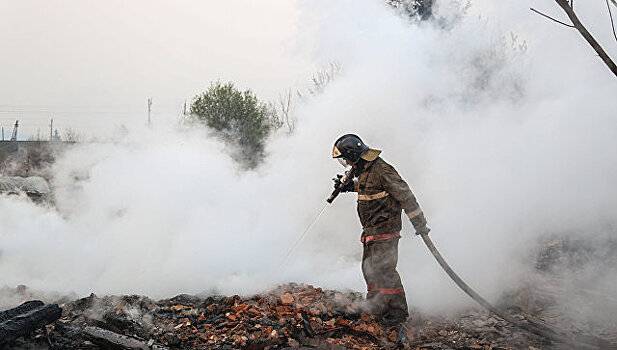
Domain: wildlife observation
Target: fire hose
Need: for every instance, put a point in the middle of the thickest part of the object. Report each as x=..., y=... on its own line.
x=530, y=326
x=534, y=327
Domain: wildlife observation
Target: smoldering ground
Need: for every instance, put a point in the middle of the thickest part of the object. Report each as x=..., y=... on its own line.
x=504, y=134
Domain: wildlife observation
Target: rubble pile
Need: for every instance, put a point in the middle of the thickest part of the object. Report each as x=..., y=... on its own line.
x=34, y=187
x=289, y=317
x=301, y=316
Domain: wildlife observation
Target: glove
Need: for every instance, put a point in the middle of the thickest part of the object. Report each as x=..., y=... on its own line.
x=337, y=182
x=423, y=230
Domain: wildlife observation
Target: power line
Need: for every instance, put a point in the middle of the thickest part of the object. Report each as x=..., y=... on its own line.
x=58, y=111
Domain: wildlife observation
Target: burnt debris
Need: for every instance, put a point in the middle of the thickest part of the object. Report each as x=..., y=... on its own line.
x=25, y=319
x=290, y=317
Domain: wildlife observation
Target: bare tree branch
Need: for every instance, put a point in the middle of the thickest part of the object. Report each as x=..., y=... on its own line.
x=551, y=18
x=585, y=33
x=285, y=107
x=610, y=14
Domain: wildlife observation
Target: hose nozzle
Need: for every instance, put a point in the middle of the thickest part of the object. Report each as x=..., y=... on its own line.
x=349, y=175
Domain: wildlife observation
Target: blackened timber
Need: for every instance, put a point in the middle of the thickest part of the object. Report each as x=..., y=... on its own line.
x=23, y=308
x=110, y=340
x=28, y=322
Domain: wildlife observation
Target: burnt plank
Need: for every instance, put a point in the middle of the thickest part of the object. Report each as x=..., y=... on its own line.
x=26, y=323
x=23, y=308
x=110, y=340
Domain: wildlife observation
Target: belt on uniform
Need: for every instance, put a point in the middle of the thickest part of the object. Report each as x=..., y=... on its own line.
x=381, y=237
x=397, y=290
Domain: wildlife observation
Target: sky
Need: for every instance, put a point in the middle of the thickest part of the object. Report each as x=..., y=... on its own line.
x=93, y=65
x=501, y=121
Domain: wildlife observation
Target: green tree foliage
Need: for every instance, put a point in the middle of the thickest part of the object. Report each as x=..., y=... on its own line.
x=422, y=9
x=238, y=118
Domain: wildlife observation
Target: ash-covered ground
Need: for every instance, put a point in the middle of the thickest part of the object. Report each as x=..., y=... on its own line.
x=291, y=316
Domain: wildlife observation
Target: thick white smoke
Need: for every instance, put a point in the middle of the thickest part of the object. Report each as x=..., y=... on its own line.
x=504, y=133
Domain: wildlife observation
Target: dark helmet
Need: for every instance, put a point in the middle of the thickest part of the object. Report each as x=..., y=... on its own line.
x=352, y=148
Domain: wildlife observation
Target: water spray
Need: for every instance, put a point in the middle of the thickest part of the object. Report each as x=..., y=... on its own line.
x=347, y=177
x=303, y=235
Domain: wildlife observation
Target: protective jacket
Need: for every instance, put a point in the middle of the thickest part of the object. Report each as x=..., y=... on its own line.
x=382, y=193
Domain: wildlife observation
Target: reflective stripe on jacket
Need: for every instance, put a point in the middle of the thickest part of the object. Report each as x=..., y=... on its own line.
x=382, y=193
x=379, y=237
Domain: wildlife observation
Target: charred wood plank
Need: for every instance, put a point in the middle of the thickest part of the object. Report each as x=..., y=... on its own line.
x=261, y=345
x=307, y=325
x=26, y=323
x=117, y=323
x=315, y=341
x=434, y=346
x=110, y=340
x=23, y=308
x=320, y=344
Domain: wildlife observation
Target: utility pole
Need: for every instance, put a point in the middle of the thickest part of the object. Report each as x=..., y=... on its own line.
x=14, y=136
x=149, y=109
x=51, y=130
x=184, y=112
x=3, y=133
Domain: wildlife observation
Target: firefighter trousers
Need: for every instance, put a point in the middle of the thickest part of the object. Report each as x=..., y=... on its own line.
x=386, y=296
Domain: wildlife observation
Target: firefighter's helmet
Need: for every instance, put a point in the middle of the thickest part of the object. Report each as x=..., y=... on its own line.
x=351, y=148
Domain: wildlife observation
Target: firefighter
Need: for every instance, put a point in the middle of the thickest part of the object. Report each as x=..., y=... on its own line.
x=382, y=193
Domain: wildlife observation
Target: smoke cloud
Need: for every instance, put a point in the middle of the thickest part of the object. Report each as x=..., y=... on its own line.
x=502, y=123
